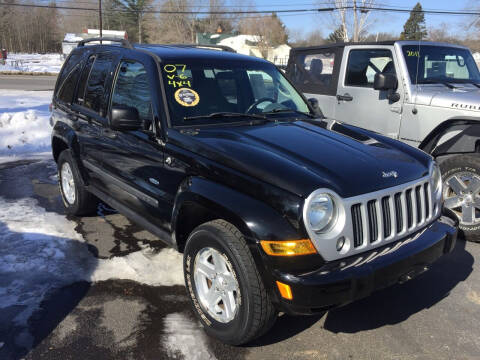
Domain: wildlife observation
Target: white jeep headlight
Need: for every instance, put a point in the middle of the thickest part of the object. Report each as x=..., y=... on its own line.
x=436, y=181
x=321, y=213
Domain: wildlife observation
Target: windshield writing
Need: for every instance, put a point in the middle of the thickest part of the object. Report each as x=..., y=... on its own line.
x=198, y=89
x=440, y=64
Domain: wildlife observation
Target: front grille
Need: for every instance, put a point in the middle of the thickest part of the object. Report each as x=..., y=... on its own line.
x=401, y=212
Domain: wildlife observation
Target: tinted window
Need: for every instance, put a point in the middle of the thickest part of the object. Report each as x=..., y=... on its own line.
x=83, y=79
x=315, y=71
x=132, y=89
x=67, y=89
x=95, y=96
x=364, y=64
x=72, y=60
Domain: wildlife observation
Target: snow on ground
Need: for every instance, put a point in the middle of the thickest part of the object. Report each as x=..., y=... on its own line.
x=184, y=340
x=41, y=251
x=33, y=63
x=24, y=122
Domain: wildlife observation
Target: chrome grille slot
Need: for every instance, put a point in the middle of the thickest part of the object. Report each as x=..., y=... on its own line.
x=387, y=221
x=408, y=195
x=418, y=203
x=398, y=212
x=357, y=223
x=426, y=189
x=372, y=220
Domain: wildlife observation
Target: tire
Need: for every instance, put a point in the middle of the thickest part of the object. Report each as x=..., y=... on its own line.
x=255, y=313
x=461, y=192
x=77, y=200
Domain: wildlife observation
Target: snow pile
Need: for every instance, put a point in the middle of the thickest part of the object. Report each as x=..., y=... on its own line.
x=40, y=251
x=24, y=122
x=184, y=339
x=33, y=63
x=69, y=37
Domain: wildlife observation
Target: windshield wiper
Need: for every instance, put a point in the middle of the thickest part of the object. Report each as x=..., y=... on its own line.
x=447, y=84
x=274, y=111
x=226, y=114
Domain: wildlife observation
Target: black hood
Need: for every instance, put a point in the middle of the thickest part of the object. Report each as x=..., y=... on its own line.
x=303, y=156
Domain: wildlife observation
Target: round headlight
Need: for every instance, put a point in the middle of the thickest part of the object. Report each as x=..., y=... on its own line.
x=437, y=180
x=321, y=212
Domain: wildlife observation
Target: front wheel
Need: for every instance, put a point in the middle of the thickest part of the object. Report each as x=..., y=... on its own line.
x=461, y=192
x=225, y=288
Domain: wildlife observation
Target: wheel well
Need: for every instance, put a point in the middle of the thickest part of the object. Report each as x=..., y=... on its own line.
x=190, y=216
x=58, y=145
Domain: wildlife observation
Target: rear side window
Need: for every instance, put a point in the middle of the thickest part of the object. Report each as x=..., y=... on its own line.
x=72, y=61
x=316, y=71
x=67, y=89
x=83, y=80
x=364, y=64
x=95, y=97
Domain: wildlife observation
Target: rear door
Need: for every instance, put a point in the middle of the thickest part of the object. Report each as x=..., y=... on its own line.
x=357, y=102
x=91, y=106
x=315, y=73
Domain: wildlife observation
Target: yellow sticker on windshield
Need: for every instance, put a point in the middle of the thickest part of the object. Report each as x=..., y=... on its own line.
x=187, y=97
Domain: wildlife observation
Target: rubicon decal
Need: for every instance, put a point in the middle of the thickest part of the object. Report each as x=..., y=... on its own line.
x=466, y=106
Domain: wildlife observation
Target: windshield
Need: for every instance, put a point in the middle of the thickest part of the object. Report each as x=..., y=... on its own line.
x=204, y=87
x=440, y=64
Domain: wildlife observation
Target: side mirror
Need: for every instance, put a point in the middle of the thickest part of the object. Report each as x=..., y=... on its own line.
x=125, y=118
x=385, y=81
x=315, y=106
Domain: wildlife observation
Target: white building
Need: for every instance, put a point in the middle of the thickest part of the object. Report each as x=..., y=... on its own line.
x=71, y=40
x=248, y=45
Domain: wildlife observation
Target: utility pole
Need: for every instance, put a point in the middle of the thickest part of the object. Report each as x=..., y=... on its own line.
x=100, y=18
x=355, y=21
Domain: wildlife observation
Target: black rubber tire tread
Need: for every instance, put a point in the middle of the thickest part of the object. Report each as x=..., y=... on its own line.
x=264, y=312
x=85, y=203
x=448, y=167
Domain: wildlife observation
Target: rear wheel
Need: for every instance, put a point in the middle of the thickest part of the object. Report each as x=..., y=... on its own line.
x=225, y=288
x=77, y=200
x=461, y=192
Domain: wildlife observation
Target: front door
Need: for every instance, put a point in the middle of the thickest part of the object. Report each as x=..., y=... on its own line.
x=357, y=102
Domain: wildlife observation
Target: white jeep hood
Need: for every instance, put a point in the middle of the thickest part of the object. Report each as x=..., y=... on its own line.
x=465, y=97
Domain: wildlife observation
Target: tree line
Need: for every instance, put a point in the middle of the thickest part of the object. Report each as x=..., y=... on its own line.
x=41, y=30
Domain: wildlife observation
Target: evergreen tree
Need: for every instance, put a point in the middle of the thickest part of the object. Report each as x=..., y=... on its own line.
x=414, y=28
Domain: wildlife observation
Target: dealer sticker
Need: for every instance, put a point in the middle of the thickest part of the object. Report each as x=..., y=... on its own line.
x=187, y=97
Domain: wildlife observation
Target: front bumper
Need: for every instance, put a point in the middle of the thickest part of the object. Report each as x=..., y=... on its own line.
x=346, y=280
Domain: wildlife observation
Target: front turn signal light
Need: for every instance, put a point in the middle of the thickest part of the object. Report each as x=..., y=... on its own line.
x=288, y=248
x=285, y=290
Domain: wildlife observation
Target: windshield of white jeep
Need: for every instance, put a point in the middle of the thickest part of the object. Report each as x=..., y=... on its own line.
x=212, y=92
x=440, y=64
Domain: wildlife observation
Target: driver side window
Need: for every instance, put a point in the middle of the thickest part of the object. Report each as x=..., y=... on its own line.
x=364, y=64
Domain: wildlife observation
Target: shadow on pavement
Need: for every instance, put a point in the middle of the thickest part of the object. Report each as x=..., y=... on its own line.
x=385, y=307
x=396, y=304
x=34, y=298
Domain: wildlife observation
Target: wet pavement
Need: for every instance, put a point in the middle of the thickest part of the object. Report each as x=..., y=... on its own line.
x=435, y=316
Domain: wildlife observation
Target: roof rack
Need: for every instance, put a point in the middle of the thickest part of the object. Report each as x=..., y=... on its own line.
x=125, y=43
x=204, y=46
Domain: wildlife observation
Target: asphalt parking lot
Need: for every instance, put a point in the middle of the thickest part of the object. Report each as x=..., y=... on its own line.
x=435, y=316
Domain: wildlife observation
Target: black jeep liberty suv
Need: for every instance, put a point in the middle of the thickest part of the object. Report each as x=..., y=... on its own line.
x=274, y=208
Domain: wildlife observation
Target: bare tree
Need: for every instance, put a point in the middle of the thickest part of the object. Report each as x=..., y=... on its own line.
x=352, y=18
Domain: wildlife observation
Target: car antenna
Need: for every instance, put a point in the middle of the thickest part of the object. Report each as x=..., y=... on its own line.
x=414, y=110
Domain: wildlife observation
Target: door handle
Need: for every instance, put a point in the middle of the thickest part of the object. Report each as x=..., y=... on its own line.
x=344, y=97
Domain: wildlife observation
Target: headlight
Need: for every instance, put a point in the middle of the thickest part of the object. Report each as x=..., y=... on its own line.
x=437, y=181
x=322, y=212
